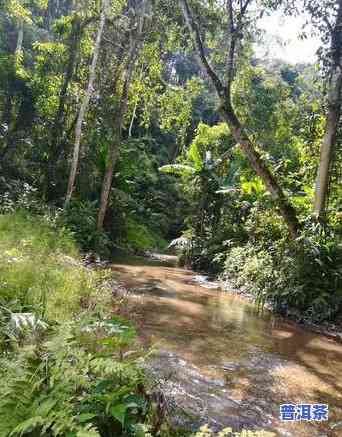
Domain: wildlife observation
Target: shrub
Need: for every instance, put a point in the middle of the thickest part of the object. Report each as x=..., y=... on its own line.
x=81, y=218
x=63, y=367
x=18, y=195
x=301, y=278
x=140, y=238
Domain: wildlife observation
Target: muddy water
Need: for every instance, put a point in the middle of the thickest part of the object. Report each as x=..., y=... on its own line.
x=225, y=362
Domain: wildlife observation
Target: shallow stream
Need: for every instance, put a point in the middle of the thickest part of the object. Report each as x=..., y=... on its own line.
x=224, y=362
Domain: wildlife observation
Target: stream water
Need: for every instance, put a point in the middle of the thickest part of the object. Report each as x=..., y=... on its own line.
x=224, y=362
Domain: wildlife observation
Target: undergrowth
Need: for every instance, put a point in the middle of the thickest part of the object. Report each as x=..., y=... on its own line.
x=300, y=278
x=62, y=362
x=80, y=218
x=139, y=237
x=40, y=268
x=63, y=387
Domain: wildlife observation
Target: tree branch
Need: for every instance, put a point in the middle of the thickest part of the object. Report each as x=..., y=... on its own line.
x=234, y=29
x=243, y=9
x=193, y=28
x=231, y=48
x=327, y=22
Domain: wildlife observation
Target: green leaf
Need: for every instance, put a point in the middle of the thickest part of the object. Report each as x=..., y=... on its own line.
x=103, y=385
x=46, y=406
x=28, y=425
x=85, y=417
x=119, y=413
x=134, y=401
x=88, y=432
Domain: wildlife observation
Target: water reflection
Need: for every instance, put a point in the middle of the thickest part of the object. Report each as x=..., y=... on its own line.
x=262, y=359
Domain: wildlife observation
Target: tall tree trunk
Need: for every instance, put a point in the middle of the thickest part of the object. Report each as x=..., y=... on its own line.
x=84, y=104
x=228, y=113
x=108, y=178
x=332, y=118
x=75, y=38
x=20, y=38
x=136, y=41
x=259, y=166
x=114, y=147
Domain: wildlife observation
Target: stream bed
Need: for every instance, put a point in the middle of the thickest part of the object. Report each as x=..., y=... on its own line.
x=222, y=362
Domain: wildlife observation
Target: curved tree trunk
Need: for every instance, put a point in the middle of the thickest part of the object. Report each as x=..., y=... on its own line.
x=259, y=166
x=228, y=113
x=84, y=105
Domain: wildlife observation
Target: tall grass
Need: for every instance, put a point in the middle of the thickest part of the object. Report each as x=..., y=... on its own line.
x=40, y=269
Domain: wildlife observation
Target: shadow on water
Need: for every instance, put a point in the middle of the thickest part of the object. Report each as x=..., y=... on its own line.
x=260, y=360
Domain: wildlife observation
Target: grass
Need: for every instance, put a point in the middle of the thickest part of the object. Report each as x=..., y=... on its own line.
x=68, y=378
x=40, y=268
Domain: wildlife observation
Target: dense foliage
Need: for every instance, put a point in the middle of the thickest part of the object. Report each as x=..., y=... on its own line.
x=133, y=123
x=62, y=362
x=45, y=50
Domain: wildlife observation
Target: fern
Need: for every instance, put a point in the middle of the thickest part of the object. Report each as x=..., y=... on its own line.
x=61, y=388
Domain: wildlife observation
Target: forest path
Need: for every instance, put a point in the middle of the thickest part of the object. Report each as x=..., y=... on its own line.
x=222, y=361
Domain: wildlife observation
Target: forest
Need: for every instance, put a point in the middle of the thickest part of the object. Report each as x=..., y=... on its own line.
x=155, y=126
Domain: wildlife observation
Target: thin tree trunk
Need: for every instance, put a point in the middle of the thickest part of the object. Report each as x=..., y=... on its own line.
x=51, y=14
x=20, y=38
x=84, y=105
x=57, y=128
x=228, y=113
x=332, y=119
x=107, y=180
x=73, y=49
x=9, y=117
x=114, y=148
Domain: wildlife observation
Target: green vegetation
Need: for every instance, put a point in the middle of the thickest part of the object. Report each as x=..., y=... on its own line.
x=302, y=280
x=62, y=362
x=141, y=238
x=132, y=123
x=233, y=232
x=39, y=270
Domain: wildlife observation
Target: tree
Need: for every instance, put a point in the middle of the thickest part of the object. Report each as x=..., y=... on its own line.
x=58, y=126
x=138, y=18
x=236, y=14
x=20, y=16
x=333, y=102
x=85, y=103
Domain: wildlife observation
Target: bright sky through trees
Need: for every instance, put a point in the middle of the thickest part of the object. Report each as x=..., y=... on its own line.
x=282, y=39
